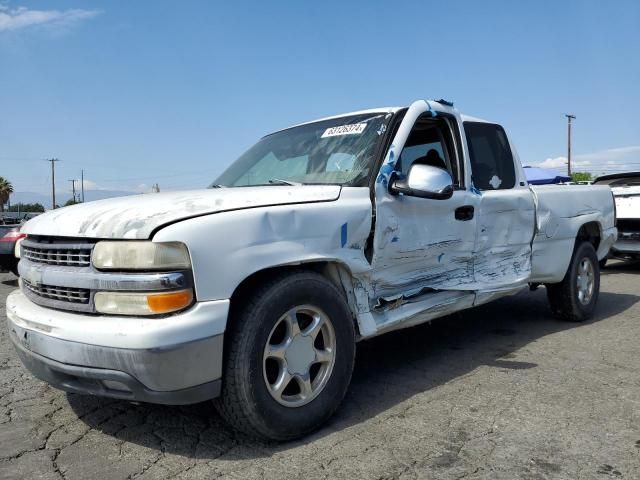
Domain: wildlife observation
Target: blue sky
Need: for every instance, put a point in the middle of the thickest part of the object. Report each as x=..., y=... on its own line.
x=171, y=92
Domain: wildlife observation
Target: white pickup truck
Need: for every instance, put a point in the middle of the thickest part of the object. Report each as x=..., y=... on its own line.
x=626, y=191
x=256, y=290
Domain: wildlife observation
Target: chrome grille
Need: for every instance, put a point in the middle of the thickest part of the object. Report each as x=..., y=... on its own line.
x=74, y=255
x=62, y=294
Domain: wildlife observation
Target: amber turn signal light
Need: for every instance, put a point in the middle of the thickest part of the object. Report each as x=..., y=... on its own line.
x=170, y=301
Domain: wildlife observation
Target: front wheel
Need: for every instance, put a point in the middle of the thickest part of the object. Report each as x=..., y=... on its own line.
x=575, y=298
x=289, y=358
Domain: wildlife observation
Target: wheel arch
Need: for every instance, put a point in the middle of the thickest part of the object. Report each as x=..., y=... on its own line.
x=589, y=232
x=335, y=271
x=552, y=253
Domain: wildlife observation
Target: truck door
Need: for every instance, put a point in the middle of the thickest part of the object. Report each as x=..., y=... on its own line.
x=506, y=214
x=422, y=243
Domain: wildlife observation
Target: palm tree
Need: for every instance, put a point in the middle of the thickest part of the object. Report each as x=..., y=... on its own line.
x=6, y=189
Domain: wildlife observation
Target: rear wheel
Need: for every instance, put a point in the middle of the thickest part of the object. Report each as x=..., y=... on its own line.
x=289, y=358
x=575, y=298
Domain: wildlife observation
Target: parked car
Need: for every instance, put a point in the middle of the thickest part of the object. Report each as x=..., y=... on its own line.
x=256, y=290
x=626, y=190
x=9, y=235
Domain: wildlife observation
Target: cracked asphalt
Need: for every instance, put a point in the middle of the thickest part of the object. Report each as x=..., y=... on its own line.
x=499, y=392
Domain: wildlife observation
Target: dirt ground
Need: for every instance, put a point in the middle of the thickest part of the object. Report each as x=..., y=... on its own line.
x=499, y=392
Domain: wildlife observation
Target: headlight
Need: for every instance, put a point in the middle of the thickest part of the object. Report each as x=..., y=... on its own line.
x=16, y=250
x=121, y=303
x=140, y=256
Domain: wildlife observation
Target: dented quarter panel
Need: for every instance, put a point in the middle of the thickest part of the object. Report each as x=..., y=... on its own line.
x=561, y=212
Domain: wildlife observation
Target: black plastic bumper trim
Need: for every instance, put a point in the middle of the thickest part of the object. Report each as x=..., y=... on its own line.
x=86, y=380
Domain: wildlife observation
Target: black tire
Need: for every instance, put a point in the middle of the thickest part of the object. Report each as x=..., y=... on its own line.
x=563, y=297
x=10, y=265
x=245, y=401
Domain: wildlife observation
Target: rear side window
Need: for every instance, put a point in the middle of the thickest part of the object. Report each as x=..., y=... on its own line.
x=490, y=155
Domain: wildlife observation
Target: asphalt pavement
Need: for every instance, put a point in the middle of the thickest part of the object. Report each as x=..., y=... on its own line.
x=503, y=391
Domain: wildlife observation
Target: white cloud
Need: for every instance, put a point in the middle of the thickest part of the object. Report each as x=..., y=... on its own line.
x=90, y=185
x=603, y=161
x=558, y=162
x=12, y=19
x=553, y=162
x=612, y=155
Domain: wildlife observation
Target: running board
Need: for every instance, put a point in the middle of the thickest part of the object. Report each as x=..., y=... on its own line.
x=407, y=312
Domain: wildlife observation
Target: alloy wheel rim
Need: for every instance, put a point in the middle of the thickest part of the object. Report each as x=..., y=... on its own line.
x=585, y=281
x=299, y=356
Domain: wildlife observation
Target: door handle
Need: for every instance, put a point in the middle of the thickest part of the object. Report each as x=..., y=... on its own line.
x=464, y=213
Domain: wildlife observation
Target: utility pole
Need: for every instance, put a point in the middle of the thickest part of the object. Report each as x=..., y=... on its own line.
x=569, y=118
x=73, y=189
x=53, y=181
x=82, y=184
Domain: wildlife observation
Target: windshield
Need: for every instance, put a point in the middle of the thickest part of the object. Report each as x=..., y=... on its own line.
x=339, y=151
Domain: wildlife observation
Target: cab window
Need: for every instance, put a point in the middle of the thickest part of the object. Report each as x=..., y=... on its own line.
x=430, y=143
x=490, y=156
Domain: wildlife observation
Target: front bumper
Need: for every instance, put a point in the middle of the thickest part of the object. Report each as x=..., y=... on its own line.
x=627, y=243
x=626, y=248
x=173, y=360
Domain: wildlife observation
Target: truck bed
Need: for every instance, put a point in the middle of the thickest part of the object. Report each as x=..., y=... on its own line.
x=560, y=211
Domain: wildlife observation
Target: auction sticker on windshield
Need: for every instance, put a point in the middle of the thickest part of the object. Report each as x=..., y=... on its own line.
x=353, y=129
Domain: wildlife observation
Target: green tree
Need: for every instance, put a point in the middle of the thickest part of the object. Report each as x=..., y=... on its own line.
x=6, y=189
x=71, y=201
x=26, y=207
x=581, y=177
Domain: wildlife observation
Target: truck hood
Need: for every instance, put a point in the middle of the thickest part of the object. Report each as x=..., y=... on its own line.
x=138, y=216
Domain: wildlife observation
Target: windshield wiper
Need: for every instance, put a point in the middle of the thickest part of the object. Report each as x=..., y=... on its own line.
x=215, y=185
x=278, y=181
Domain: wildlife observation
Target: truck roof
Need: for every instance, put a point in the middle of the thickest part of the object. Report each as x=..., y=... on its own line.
x=465, y=118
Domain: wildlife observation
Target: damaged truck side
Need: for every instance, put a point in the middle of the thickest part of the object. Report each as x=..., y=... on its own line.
x=255, y=291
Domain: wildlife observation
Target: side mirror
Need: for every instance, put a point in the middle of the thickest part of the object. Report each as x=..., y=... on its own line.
x=424, y=181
